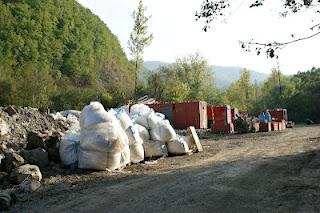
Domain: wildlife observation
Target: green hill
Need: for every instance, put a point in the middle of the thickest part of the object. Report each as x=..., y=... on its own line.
x=56, y=53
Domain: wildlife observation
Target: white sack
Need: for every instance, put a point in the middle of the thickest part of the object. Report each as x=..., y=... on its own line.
x=102, y=137
x=143, y=132
x=99, y=160
x=74, y=124
x=133, y=135
x=155, y=149
x=69, y=148
x=125, y=156
x=125, y=120
x=139, y=109
x=177, y=147
x=136, y=153
x=154, y=120
x=94, y=114
x=163, y=133
x=66, y=113
x=188, y=139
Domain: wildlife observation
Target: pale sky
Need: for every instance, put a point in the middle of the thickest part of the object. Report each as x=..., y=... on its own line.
x=177, y=34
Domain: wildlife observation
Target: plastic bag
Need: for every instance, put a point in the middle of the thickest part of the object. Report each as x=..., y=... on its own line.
x=102, y=137
x=136, y=153
x=69, y=148
x=163, y=133
x=154, y=119
x=99, y=160
x=177, y=147
x=94, y=114
x=133, y=135
x=155, y=149
x=143, y=132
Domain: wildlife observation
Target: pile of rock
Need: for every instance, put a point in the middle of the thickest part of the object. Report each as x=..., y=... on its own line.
x=29, y=140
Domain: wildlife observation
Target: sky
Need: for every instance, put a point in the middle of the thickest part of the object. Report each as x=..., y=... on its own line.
x=177, y=34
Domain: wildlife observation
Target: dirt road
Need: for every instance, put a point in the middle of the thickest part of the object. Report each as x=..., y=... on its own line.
x=263, y=172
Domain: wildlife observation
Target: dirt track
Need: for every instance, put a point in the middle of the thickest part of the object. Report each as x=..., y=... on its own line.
x=263, y=172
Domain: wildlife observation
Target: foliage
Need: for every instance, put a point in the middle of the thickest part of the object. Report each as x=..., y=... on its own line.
x=52, y=50
x=241, y=93
x=188, y=79
x=139, y=38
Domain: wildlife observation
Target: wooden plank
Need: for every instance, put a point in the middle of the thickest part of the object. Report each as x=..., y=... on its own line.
x=195, y=138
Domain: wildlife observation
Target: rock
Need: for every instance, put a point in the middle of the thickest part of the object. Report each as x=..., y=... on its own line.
x=45, y=140
x=3, y=177
x=52, y=146
x=5, y=200
x=37, y=157
x=29, y=186
x=4, y=128
x=25, y=172
x=36, y=140
x=10, y=110
x=11, y=161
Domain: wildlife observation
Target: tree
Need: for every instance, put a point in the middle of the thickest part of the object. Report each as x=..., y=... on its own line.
x=58, y=53
x=188, y=79
x=139, y=39
x=214, y=10
x=241, y=93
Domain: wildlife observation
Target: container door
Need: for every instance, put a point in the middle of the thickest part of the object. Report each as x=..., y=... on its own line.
x=168, y=112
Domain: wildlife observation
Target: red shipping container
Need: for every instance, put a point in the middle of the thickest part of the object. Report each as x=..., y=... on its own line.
x=191, y=114
x=275, y=126
x=222, y=128
x=278, y=114
x=222, y=114
x=210, y=115
x=265, y=127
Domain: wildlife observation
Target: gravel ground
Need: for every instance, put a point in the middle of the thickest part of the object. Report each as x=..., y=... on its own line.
x=260, y=172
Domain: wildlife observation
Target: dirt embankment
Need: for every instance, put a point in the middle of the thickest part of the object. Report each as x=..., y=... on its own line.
x=263, y=172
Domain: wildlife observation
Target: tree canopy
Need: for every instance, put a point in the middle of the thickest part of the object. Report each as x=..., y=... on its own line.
x=56, y=53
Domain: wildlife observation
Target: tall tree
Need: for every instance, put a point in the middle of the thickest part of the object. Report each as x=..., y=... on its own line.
x=241, y=93
x=139, y=39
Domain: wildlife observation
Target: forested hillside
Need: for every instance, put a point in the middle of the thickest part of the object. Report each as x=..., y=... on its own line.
x=57, y=54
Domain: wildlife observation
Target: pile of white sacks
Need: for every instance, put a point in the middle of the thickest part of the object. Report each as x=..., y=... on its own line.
x=100, y=139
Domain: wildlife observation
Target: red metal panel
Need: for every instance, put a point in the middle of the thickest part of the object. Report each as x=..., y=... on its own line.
x=210, y=113
x=155, y=107
x=190, y=114
x=222, y=114
x=222, y=128
x=275, y=126
x=278, y=114
x=265, y=127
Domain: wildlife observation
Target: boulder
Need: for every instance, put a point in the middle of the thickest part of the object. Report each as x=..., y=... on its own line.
x=4, y=128
x=11, y=161
x=6, y=200
x=3, y=177
x=25, y=172
x=45, y=140
x=37, y=157
x=10, y=110
x=30, y=186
